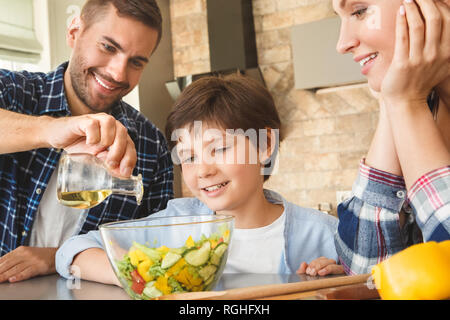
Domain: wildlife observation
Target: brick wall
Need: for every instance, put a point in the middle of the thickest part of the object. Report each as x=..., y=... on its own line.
x=327, y=133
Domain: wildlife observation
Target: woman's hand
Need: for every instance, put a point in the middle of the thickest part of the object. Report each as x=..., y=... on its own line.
x=422, y=52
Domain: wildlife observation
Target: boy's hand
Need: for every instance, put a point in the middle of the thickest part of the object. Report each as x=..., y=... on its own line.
x=321, y=266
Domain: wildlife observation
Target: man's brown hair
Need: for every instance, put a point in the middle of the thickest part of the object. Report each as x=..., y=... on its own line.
x=145, y=11
x=230, y=102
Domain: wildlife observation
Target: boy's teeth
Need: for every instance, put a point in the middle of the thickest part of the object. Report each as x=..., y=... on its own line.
x=216, y=187
x=365, y=60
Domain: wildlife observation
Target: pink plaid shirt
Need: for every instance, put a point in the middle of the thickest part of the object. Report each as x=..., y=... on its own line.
x=369, y=229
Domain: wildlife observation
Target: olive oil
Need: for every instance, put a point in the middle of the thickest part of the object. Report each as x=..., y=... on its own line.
x=83, y=199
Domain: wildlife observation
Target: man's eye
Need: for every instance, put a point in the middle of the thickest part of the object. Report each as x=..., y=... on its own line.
x=358, y=13
x=109, y=48
x=136, y=63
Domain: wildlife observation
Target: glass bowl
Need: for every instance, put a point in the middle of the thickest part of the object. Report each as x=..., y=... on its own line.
x=156, y=256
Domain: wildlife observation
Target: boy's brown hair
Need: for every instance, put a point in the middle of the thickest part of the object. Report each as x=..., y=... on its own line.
x=145, y=11
x=231, y=102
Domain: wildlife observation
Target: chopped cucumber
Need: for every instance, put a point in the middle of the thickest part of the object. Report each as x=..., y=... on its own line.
x=153, y=254
x=198, y=257
x=207, y=271
x=169, y=260
x=218, y=253
x=179, y=251
x=151, y=291
x=209, y=280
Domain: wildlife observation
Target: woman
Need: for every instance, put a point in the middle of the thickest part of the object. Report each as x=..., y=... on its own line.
x=402, y=193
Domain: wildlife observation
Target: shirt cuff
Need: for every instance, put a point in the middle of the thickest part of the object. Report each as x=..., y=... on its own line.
x=379, y=188
x=70, y=248
x=429, y=194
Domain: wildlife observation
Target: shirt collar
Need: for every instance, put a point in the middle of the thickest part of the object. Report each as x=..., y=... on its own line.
x=53, y=98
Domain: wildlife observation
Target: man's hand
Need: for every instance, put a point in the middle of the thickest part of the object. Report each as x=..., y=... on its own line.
x=321, y=266
x=99, y=134
x=27, y=262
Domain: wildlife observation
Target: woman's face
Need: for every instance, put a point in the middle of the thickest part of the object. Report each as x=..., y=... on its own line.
x=368, y=33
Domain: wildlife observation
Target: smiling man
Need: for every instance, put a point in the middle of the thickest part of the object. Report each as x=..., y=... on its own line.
x=78, y=108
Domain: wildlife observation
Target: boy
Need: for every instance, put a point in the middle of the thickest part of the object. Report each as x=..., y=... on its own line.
x=223, y=132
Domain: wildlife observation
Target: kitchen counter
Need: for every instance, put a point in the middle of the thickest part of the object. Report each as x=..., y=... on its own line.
x=53, y=287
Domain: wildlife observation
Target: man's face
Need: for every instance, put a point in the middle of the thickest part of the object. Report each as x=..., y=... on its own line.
x=108, y=59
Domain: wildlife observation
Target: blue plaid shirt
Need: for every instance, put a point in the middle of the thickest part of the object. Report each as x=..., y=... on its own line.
x=25, y=175
x=369, y=230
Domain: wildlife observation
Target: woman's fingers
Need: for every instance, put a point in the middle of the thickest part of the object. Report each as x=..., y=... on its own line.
x=433, y=26
x=401, y=50
x=416, y=31
x=444, y=10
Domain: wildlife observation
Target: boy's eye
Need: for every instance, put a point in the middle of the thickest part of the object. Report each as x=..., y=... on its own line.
x=187, y=160
x=358, y=13
x=221, y=149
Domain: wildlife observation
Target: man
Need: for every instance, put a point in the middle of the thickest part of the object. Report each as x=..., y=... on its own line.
x=78, y=108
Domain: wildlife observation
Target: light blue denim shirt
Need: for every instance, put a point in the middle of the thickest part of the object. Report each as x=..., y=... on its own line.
x=308, y=234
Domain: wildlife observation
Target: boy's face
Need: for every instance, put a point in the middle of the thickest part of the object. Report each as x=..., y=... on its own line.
x=108, y=58
x=368, y=29
x=221, y=170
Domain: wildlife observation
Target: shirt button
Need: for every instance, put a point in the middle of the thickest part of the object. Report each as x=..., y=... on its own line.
x=401, y=194
x=38, y=190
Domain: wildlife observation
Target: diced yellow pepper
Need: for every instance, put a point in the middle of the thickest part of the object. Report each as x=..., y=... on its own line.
x=142, y=269
x=162, y=285
x=136, y=256
x=226, y=235
x=196, y=281
x=193, y=280
x=190, y=242
x=421, y=271
x=141, y=255
x=182, y=277
x=175, y=269
x=197, y=288
x=213, y=243
x=163, y=249
x=133, y=258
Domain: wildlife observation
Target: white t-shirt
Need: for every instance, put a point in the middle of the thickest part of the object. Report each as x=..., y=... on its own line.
x=257, y=250
x=54, y=223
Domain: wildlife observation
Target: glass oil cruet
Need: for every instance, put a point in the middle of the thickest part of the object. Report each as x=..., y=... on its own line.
x=84, y=181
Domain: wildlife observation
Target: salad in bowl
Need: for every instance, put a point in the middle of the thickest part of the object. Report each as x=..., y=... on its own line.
x=153, y=257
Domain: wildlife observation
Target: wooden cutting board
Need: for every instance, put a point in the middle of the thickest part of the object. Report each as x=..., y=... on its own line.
x=358, y=291
x=301, y=289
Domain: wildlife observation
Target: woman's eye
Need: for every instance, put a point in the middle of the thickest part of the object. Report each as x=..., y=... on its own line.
x=358, y=13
